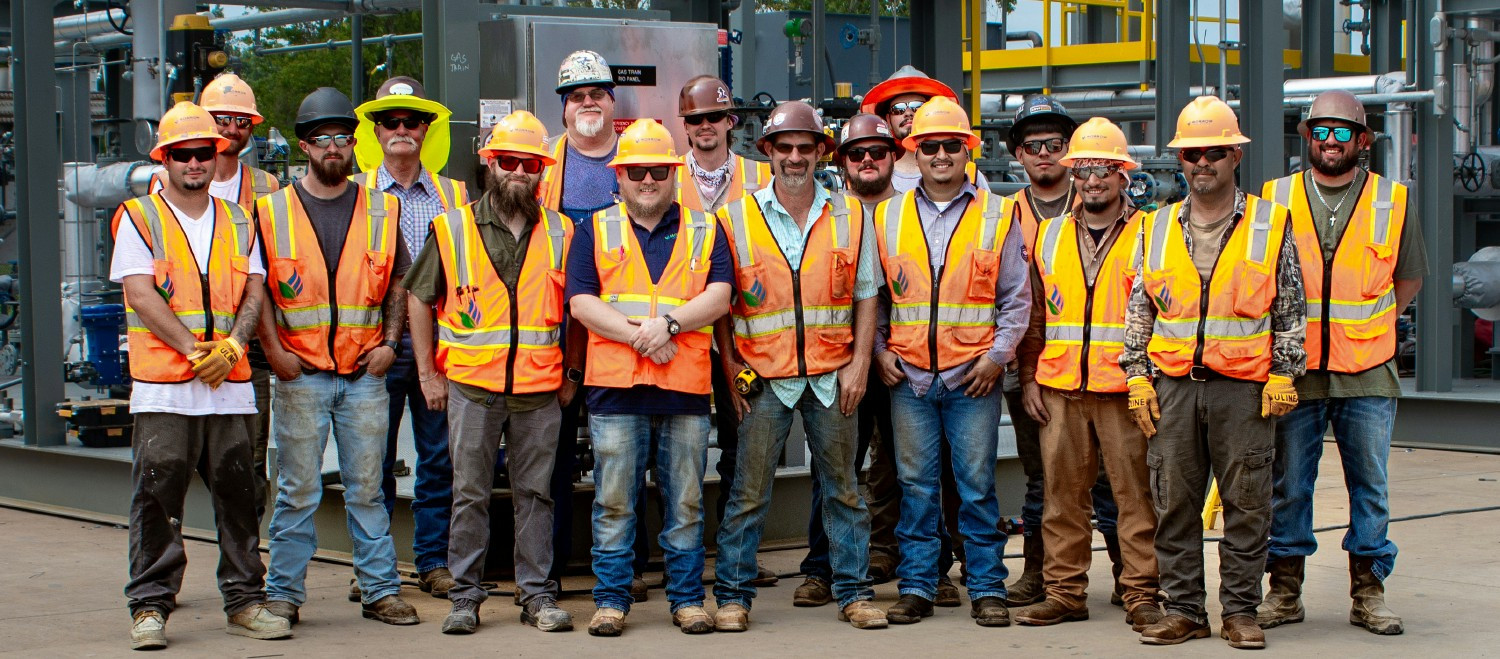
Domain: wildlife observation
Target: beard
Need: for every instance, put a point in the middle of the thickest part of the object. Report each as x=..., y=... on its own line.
x=869, y=188
x=1332, y=165
x=510, y=200
x=331, y=172
x=1205, y=186
x=1049, y=177
x=588, y=124
x=1097, y=206
x=193, y=186
x=648, y=209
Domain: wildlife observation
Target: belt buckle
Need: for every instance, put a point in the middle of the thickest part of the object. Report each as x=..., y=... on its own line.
x=1199, y=373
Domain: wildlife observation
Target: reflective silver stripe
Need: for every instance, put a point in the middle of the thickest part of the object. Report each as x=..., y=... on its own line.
x=364, y=179
x=458, y=222
x=697, y=228
x=1098, y=334
x=303, y=318
x=1314, y=311
x=351, y=316
x=895, y=205
x=447, y=190
x=948, y=314
x=744, y=250
x=375, y=209
x=223, y=322
x=1380, y=226
x=1281, y=190
x=239, y=223
x=556, y=235
x=989, y=229
x=1214, y=328
x=1257, y=250
x=1356, y=312
x=151, y=215
x=781, y=321
x=194, y=321
x=281, y=223
x=1111, y=334
x=1065, y=333
x=1051, y=236
x=1175, y=328
x=1160, y=229
x=262, y=182
x=840, y=215
x=497, y=338
x=613, y=218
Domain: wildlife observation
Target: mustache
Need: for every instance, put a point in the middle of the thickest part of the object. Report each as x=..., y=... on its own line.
x=1204, y=170
x=401, y=139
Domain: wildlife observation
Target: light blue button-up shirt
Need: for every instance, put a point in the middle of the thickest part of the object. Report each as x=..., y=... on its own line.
x=793, y=240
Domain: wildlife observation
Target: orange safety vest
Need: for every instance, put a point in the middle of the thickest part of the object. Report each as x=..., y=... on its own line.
x=1226, y=325
x=1351, y=295
x=552, y=176
x=1085, y=326
x=185, y=288
x=451, y=193
x=254, y=184
x=795, y=323
x=745, y=178
x=329, y=327
x=938, y=327
x=625, y=284
x=479, y=327
x=1026, y=213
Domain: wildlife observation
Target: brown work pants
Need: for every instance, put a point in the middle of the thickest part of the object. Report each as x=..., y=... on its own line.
x=1086, y=429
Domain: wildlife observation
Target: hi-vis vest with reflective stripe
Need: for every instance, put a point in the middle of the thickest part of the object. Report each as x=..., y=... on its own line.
x=327, y=326
x=485, y=338
x=937, y=327
x=451, y=193
x=254, y=184
x=1351, y=296
x=745, y=178
x=1085, y=326
x=1226, y=325
x=184, y=287
x=1026, y=214
x=795, y=323
x=552, y=176
x=625, y=284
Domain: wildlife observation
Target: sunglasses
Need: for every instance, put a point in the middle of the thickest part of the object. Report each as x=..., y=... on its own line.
x=1340, y=133
x=410, y=121
x=903, y=108
x=786, y=148
x=858, y=153
x=226, y=119
x=322, y=141
x=595, y=95
x=1214, y=154
x=1052, y=145
x=528, y=165
x=710, y=117
x=1101, y=171
x=930, y=148
x=658, y=173
x=201, y=154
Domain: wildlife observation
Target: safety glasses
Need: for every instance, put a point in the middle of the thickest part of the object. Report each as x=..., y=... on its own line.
x=659, y=173
x=226, y=119
x=410, y=121
x=1052, y=145
x=201, y=154
x=322, y=141
x=1339, y=133
x=1101, y=171
x=1214, y=154
x=528, y=165
x=903, y=108
x=786, y=148
x=930, y=147
x=858, y=153
x=710, y=117
x=596, y=95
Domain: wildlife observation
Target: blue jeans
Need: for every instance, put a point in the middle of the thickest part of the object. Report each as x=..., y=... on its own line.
x=432, y=497
x=833, y=441
x=622, y=449
x=1362, y=429
x=970, y=426
x=305, y=409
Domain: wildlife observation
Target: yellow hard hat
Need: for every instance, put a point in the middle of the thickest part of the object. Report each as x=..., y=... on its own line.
x=1099, y=138
x=186, y=122
x=940, y=116
x=1207, y=121
x=518, y=132
x=228, y=93
x=646, y=143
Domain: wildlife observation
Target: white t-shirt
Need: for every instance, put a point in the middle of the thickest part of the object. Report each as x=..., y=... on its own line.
x=227, y=190
x=192, y=398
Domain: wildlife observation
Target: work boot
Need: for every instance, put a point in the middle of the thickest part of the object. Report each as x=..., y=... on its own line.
x=1028, y=588
x=882, y=567
x=908, y=609
x=693, y=620
x=1142, y=616
x=1174, y=629
x=354, y=594
x=863, y=615
x=437, y=581
x=638, y=591
x=1369, y=610
x=764, y=577
x=732, y=617
x=284, y=609
x=1242, y=633
x=607, y=622
x=989, y=612
x=1050, y=612
x=544, y=614
x=463, y=619
x=148, y=631
x=1117, y=566
x=1283, y=603
x=258, y=622
x=391, y=610
x=812, y=592
x=947, y=593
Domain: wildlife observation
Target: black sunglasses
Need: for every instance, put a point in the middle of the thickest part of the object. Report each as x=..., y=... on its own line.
x=786, y=148
x=528, y=165
x=226, y=119
x=1053, y=145
x=930, y=148
x=710, y=117
x=658, y=173
x=858, y=153
x=201, y=154
x=1214, y=154
x=596, y=95
x=410, y=121
x=1340, y=133
x=903, y=108
x=321, y=141
x=1101, y=171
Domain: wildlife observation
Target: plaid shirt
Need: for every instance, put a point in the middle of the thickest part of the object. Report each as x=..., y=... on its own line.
x=419, y=204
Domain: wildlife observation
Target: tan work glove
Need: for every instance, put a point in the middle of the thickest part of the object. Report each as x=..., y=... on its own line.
x=213, y=360
x=1143, y=407
x=1278, y=397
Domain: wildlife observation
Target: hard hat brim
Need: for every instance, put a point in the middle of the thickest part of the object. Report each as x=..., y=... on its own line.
x=158, y=152
x=1126, y=162
x=890, y=89
x=1192, y=142
x=435, y=146
x=910, y=143
x=643, y=161
x=507, y=147
x=255, y=118
x=597, y=82
x=367, y=110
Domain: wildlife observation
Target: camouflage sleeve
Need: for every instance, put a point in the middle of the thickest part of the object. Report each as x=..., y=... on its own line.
x=1140, y=316
x=1288, y=314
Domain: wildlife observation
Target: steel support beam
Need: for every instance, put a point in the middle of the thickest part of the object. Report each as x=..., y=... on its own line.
x=1385, y=36
x=1261, y=78
x=1173, y=39
x=38, y=227
x=357, y=59
x=1317, y=36
x=937, y=40
x=1436, y=317
x=450, y=73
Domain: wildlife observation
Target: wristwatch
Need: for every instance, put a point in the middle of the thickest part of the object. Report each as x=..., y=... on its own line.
x=573, y=375
x=395, y=346
x=673, y=327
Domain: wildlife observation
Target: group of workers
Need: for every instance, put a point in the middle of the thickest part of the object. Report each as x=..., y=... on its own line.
x=1140, y=355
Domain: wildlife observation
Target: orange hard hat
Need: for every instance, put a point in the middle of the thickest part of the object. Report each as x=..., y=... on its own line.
x=1207, y=121
x=940, y=117
x=1099, y=138
x=186, y=122
x=518, y=132
x=228, y=93
x=646, y=143
x=906, y=80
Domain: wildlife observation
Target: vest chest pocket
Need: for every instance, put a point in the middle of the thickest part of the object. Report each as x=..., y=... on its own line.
x=289, y=284
x=378, y=266
x=1253, y=289
x=241, y=267
x=972, y=335
x=1375, y=277
x=984, y=270
x=843, y=263
x=557, y=282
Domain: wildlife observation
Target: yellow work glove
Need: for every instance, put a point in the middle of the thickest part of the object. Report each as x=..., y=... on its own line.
x=213, y=360
x=1278, y=397
x=1143, y=407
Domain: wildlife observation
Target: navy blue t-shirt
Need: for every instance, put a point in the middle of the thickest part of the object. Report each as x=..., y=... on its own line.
x=656, y=247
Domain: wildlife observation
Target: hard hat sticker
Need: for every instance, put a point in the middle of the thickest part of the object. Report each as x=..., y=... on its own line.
x=722, y=95
x=402, y=89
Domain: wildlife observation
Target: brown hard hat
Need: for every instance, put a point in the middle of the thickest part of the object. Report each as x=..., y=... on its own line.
x=1335, y=104
x=793, y=116
x=866, y=126
x=702, y=95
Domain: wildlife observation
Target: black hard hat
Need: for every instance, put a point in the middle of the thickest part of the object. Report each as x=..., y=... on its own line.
x=324, y=105
x=1037, y=106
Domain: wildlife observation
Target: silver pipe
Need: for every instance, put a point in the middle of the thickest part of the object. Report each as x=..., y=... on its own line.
x=83, y=26
x=247, y=21
x=875, y=76
x=1399, y=119
x=1367, y=84
x=1483, y=84
x=343, y=43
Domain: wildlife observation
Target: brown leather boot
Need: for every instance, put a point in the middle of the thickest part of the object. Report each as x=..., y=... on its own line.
x=1049, y=612
x=812, y=592
x=1242, y=633
x=1028, y=588
x=1143, y=615
x=437, y=581
x=1369, y=610
x=863, y=615
x=1283, y=603
x=1117, y=567
x=1174, y=629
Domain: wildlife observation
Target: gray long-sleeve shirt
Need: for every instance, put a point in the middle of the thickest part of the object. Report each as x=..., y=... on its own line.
x=1012, y=289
